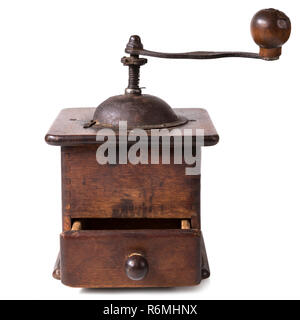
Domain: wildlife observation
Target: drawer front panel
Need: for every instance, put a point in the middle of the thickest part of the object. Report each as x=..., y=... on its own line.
x=96, y=259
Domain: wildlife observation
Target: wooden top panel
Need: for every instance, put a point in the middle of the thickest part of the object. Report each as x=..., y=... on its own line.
x=67, y=129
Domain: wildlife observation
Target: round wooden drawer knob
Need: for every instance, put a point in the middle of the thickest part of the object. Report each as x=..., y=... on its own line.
x=136, y=267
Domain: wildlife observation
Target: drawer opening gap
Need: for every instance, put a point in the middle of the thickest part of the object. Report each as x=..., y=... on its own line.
x=128, y=224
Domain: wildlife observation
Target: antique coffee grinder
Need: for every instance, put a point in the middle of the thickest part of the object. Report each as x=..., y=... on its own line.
x=138, y=225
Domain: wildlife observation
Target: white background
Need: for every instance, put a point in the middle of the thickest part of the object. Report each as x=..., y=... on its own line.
x=58, y=54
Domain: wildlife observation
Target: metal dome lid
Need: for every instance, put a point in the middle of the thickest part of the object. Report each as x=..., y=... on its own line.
x=139, y=110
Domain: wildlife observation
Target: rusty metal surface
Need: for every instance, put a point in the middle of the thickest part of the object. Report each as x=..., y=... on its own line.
x=194, y=55
x=140, y=111
x=135, y=47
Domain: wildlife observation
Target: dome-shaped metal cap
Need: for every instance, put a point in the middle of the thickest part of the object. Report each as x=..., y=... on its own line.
x=140, y=111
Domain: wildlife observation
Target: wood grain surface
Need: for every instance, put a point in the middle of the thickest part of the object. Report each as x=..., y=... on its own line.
x=125, y=191
x=68, y=129
x=97, y=259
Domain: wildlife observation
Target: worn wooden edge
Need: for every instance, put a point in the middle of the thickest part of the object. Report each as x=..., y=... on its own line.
x=137, y=233
x=211, y=140
x=56, y=272
x=72, y=140
x=56, y=137
x=185, y=224
x=205, y=271
x=76, y=226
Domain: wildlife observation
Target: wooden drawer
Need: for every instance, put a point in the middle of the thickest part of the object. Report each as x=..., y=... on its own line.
x=97, y=258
